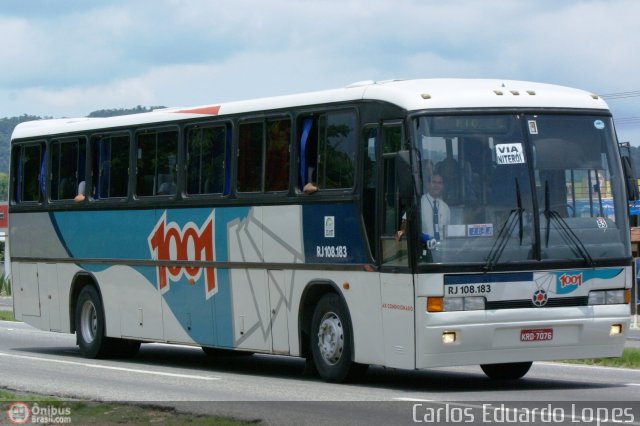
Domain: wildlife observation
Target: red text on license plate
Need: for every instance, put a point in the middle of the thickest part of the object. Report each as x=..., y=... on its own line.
x=536, y=334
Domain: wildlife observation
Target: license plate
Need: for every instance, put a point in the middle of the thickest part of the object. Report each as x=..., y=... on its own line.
x=536, y=334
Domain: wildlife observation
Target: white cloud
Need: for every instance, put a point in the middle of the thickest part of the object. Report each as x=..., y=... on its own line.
x=87, y=56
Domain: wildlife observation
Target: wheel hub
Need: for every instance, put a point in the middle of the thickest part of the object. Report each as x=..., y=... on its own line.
x=89, y=321
x=331, y=338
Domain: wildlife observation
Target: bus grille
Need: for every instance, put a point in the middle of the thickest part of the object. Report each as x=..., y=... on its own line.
x=558, y=302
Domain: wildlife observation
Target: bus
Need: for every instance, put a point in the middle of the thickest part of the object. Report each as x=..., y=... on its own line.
x=271, y=226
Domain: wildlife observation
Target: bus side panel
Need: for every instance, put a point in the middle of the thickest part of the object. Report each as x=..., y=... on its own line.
x=26, y=291
x=398, y=320
x=49, y=295
x=364, y=303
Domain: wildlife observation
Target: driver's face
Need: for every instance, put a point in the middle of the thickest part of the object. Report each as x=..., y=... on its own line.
x=435, y=186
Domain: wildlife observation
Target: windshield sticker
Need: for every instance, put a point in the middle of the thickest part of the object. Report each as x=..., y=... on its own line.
x=598, y=124
x=533, y=127
x=509, y=153
x=480, y=230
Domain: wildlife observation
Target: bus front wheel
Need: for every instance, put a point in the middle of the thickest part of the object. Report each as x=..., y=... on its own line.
x=331, y=341
x=507, y=371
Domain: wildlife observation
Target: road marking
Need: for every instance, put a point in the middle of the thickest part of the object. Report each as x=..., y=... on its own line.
x=108, y=367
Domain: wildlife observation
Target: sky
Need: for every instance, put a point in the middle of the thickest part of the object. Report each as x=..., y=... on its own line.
x=69, y=58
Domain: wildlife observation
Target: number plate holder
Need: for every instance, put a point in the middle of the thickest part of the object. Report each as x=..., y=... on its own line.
x=536, y=334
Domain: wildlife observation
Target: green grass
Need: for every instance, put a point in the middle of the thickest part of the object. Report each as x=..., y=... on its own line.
x=6, y=316
x=630, y=358
x=98, y=413
x=5, y=286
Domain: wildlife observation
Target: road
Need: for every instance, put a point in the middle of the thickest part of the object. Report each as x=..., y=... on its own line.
x=275, y=390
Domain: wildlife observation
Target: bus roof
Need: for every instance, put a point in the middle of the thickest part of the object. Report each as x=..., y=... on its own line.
x=411, y=95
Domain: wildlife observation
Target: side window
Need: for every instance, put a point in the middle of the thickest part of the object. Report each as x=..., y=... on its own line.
x=328, y=144
x=370, y=185
x=110, y=159
x=394, y=251
x=29, y=172
x=250, y=151
x=157, y=154
x=263, y=156
x=277, y=155
x=206, y=152
x=68, y=169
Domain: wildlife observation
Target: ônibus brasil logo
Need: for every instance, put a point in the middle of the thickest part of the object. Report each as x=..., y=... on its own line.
x=190, y=243
x=18, y=413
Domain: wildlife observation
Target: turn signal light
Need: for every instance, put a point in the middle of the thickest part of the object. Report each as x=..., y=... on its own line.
x=435, y=304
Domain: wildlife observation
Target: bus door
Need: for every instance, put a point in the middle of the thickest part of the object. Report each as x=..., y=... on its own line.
x=396, y=280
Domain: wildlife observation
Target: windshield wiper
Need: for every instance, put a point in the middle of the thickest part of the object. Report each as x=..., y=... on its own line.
x=515, y=217
x=567, y=234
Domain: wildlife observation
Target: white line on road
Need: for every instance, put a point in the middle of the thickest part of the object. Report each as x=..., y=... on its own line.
x=108, y=367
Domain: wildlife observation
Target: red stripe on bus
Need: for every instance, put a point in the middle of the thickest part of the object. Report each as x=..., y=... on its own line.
x=212, y=110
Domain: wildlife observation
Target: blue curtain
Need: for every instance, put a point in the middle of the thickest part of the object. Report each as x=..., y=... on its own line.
x=306, y=129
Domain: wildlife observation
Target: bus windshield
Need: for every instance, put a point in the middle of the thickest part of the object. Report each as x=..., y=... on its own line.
x=519, y=187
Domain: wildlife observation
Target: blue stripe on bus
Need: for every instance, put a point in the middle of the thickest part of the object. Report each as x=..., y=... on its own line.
x=489, y=278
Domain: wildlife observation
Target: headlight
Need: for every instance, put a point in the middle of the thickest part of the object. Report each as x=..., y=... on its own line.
x=472, y=303
x=608, y=297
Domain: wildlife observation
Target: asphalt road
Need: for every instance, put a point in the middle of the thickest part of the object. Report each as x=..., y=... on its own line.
x=275, y=390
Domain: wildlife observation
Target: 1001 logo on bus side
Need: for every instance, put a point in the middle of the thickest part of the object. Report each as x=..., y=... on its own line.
x=190, y=243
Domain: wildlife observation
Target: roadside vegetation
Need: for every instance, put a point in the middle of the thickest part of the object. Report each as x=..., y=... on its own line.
x=6, y=316
x=5, y=284
x=630, y=359
x=99, y=413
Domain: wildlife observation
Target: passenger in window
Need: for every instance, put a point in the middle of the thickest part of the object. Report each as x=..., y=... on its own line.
x=80, y=197
x=167, y=188
x=311, y=186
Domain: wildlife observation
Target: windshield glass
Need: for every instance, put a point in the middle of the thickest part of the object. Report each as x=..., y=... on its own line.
x=515, y=187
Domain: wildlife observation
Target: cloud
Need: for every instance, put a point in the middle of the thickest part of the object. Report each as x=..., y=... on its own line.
x=83, y=56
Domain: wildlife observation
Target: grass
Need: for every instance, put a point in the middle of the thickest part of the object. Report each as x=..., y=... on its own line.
x=99, y=413
x=630, y=358
x=5, y=286
x=6, y=316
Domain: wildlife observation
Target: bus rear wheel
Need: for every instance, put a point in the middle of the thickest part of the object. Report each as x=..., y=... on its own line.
x=90, y=324
x=331, y=341
x=507, y=371
x=90, y=329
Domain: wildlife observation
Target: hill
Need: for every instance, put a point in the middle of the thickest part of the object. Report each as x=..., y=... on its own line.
x=8, y=124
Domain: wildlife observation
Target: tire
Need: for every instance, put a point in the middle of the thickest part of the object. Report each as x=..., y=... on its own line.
x=507, y=371
x=90, y=324
x=331, y=341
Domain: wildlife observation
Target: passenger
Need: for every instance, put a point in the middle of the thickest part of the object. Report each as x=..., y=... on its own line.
x=80, y=197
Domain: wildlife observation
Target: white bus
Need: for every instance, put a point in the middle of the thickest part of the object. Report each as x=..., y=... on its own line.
x=271, y=226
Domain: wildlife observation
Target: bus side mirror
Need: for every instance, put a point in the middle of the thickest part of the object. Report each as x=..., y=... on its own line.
x=404, y=175
x=629, y=179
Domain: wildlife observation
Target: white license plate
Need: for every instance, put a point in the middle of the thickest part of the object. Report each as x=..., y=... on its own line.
x=536, y=334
